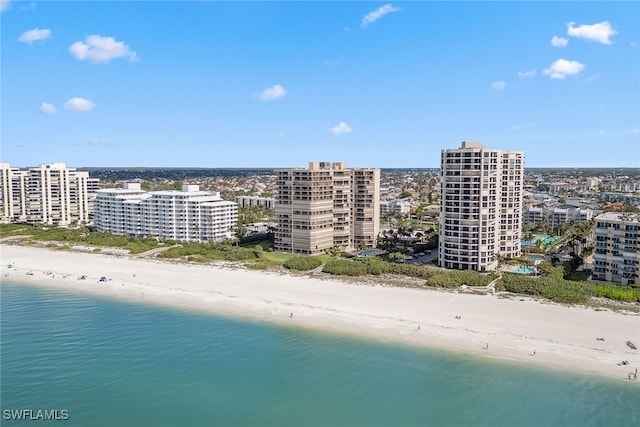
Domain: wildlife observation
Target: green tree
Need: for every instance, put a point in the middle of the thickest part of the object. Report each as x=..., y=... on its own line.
x=393, y=256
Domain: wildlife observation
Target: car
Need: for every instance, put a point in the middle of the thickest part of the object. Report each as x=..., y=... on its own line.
x=428, y=252
x=421, y=254
x=409, y=257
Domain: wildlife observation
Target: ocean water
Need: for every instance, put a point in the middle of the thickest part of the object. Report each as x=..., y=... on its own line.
x=113, y=363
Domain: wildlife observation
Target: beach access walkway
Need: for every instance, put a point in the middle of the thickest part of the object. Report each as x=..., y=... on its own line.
x=19, y=237
x=154, y=252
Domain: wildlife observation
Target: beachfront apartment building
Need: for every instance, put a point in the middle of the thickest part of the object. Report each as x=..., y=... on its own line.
x=480, y=207
x=326, y=205
x=395, y=206
x=626, y=198
x=184, y=215
x=552, y=217
x=617, y=250
x=47, y=194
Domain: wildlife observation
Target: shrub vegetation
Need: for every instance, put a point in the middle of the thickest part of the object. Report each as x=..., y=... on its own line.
x=554, y=287
x=212, y=251
x=302, y=263
x=436, y=278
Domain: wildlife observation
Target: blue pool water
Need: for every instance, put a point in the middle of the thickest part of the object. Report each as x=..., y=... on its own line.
x=524, y=270
x=543, y=239
x=370, y=252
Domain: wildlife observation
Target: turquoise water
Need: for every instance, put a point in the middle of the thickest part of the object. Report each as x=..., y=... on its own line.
x=370, y=252
x=113, y=363
x=542, y=238
x=524, y=270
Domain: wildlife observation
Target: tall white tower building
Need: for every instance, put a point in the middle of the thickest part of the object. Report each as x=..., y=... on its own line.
x=481, y=206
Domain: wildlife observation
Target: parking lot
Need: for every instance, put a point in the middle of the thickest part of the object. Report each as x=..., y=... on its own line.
x=424, y=258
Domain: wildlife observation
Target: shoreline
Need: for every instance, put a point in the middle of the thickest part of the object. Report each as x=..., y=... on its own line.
x=520, y=330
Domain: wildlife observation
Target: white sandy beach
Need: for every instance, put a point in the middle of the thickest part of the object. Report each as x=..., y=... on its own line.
x=562, y=337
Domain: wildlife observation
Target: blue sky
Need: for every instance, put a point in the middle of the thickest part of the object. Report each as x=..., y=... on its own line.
x=279, y=84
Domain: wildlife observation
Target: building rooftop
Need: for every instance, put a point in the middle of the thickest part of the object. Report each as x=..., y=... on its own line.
x=619, y=216
x=121, y=190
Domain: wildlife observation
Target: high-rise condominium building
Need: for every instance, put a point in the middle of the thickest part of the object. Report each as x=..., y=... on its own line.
x=481, y=206
x=617, y=252
x=327, y=205
x=49, y=194
x=187, y=215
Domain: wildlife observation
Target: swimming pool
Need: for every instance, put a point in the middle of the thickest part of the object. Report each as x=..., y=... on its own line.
x=370, y=252
x=543, y=239
x=524, y=270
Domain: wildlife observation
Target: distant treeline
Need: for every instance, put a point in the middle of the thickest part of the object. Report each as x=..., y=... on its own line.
x=123, y=174
x=171, y=174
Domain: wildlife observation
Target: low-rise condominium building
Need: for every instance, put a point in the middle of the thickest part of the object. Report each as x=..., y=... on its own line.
x=186, y=215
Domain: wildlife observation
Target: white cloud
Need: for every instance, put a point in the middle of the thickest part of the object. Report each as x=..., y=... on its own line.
x=79, y=104
x=499, y=85
x=328, y=62
x=279, y=134
x=100, y=49
x=373, y=16
x=529, y=73
x=176, y=136
x=559, y=41
x=562, y=68
x=47, y=108
x=4, y=5
x=34, y=35
x=271, y=93
x=635, y=130
x=340, y=129
x=600, y=32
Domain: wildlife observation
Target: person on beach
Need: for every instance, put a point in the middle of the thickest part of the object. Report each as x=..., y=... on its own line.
x=418, y=328
x=291, y=314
